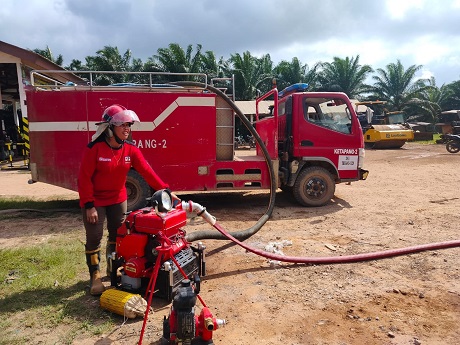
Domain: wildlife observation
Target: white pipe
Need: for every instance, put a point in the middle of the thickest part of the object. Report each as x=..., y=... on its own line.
x=190, y=206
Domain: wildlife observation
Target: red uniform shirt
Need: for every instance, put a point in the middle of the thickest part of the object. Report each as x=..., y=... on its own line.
x=103, y=173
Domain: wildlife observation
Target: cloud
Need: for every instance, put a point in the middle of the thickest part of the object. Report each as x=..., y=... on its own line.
x=422, y=32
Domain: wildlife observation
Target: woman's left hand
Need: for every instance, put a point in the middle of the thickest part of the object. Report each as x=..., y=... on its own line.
x=176, y=199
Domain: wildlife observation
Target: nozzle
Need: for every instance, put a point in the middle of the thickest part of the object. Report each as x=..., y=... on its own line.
x=213, y=324
x=209, y=324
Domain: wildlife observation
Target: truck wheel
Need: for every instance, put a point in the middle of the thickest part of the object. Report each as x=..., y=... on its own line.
x=137, y=189
x=314, y=187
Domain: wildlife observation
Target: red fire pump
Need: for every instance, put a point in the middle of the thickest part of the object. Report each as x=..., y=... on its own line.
x=153, y=256
x=144, y=231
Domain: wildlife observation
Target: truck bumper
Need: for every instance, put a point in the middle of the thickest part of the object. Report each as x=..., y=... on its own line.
x=363, y=174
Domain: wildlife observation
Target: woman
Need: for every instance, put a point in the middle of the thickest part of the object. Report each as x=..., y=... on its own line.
x=101, y=184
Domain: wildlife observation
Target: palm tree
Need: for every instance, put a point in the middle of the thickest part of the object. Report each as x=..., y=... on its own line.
x=75, y=65
x=266, y=75
x=429, y=103
x=454, y=99
x=47, y=53
x=345, y=75
x=288, y=73
x=211, y=67
x=250, y=74
x=398, y=87
x=110, y=59
x=175, y=60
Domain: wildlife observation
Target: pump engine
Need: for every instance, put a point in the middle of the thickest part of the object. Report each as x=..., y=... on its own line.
x=144, y=231
x=183, y=326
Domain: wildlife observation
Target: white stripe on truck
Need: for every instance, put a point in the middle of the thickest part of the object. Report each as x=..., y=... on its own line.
x=82, y=126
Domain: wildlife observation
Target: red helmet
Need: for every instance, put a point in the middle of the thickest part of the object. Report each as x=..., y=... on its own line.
x=117, y=114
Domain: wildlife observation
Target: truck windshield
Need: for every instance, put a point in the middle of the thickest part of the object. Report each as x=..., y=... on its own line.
x=327, y=113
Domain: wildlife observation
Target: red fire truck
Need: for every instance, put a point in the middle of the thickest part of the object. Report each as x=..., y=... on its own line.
x=309, y=140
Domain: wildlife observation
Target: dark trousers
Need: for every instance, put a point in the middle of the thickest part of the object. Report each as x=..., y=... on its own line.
x=115, y=215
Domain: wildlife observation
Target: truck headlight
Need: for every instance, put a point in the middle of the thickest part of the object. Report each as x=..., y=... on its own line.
x=362, y=153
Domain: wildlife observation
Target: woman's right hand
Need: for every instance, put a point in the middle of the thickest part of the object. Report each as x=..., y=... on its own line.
x=91, y=215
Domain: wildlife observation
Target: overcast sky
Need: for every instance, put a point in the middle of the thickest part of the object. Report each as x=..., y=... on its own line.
x=420, y=32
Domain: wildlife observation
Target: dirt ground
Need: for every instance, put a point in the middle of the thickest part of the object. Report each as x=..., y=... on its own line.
x=411, y=197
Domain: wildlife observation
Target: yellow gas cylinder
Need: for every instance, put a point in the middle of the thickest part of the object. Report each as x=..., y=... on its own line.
x=123, y=303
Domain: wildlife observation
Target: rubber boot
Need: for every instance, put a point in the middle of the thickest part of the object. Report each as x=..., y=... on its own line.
x=93, y=258
x=109, y=249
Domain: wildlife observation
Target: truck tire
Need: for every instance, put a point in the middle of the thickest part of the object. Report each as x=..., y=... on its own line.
x=137, y=190
x=314, y=186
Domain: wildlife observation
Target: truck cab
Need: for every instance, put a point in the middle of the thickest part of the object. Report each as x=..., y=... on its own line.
x=319, y=143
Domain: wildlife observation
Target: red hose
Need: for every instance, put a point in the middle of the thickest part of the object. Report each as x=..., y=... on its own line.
x=342, y=259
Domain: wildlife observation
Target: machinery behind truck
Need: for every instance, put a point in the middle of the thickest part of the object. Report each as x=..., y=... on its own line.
x=187, y=131
x=384, y=130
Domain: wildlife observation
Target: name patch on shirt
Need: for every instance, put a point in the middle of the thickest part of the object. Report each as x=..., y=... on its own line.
x=103, y=159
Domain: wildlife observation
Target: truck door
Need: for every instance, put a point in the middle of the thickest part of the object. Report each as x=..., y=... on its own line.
x=324, y=128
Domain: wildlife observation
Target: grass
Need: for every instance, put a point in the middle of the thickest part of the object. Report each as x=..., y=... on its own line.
x=28, y=203
x=35, y=209
x=436, y=137
x=43, y=286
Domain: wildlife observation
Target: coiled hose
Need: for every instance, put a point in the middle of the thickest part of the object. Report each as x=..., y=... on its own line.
x=242, y=234
x=239, y=236
x=200, y=210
